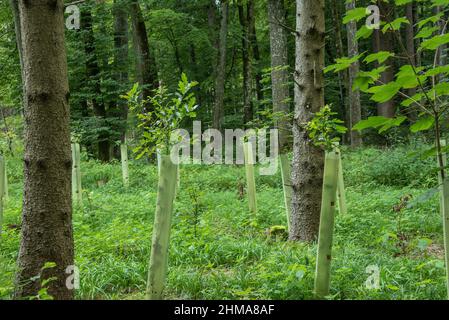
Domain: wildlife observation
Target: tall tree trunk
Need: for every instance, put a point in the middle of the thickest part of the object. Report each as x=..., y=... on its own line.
x=384, y=42
x=247, y=72
x=47, y=211
x=279, y=71
x=218, y=112
x=121, y=57
x=146, y=65
x=93, y=77
x=355, y=106
x=308, y=160
x=255, y=49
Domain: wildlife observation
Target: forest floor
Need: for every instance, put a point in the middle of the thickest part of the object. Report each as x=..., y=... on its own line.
x=221, y=251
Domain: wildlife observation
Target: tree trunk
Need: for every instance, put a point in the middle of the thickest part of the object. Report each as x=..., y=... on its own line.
x=384, y=42
x=256, y=50
x=279, y=72
x=146, y=65
x=355, y=107
x=121, y=57
x=308, y=160
x=93, y=79
x=218, y=112
x=247, y=74
x=47, y=211
x=280, y=91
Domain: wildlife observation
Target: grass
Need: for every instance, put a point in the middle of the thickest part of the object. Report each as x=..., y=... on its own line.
x=219, y=250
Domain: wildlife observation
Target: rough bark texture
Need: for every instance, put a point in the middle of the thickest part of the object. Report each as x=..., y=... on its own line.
x=218, y=112
x=47, y=211
x=384, y=42
x=308, y=160
x=93, y=79
x=247, y=72
x=279, y=72
x=355, y=107
x=255, y=49
x=121, y=55
x=146, y=65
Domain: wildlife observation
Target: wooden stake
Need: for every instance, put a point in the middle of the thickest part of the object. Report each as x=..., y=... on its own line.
x=76, y=174
x=125, y=165
x=2, y=191
x=250, y=176
x=324, y=255
x=286, y=172
x=161, y=230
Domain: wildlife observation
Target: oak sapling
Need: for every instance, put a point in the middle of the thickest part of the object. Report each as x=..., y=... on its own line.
x=159, y=116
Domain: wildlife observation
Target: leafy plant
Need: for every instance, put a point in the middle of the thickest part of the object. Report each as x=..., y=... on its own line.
x=324, y=128
x=161, y=114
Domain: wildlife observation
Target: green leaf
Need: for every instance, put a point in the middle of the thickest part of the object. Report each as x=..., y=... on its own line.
x=371, y=122
x=380, y=57
x=395, y=24
x=426, y=32
x=355, y=15
x=435, y=42
x=384, y=92
x=423, y=124
x=364, y=32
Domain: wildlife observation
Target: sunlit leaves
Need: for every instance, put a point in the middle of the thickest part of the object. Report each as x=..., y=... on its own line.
x=395, y=24
x=380, y=57
x=435, y=42
x=423, y=124
x=380, y=123
x=355, y=15
x=385, y=92
x=342, y=63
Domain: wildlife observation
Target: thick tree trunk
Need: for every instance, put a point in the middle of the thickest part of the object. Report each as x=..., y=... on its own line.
x=384, y=42
x=146, y=65
x=47, y=211
x=247, y=72
x=121, y=56
x=218, y=112
x=308, y=160
x=355, y=106
x=93, y=78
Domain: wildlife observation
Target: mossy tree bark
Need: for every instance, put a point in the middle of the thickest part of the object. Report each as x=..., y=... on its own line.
x=47, y=206
x=307, y=168
x=161, y=230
